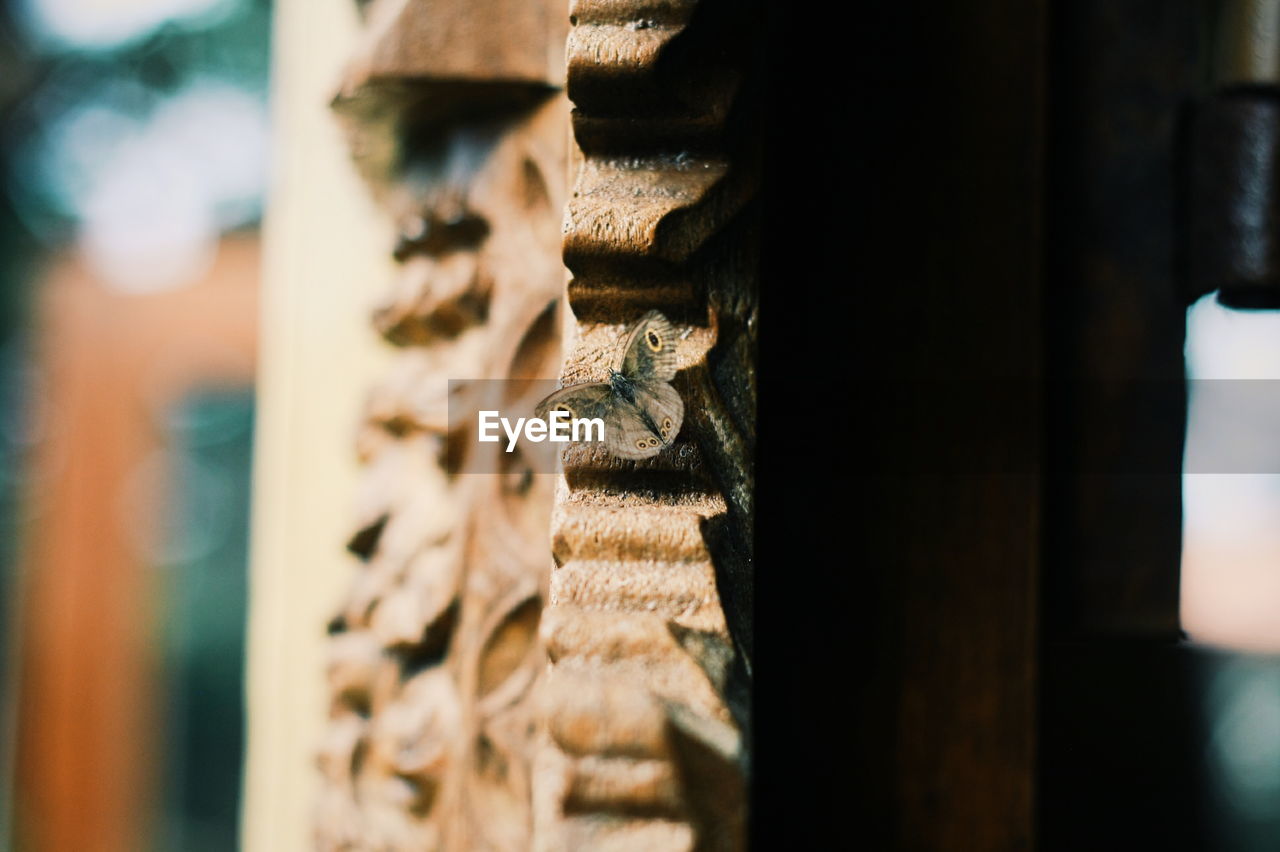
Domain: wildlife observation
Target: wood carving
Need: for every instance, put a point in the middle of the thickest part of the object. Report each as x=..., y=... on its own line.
x=484, y=696
x=458, y=125
x=648, y=619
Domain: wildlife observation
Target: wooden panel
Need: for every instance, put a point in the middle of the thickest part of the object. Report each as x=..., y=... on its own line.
x=899, y=548
x=1123, y=74
x=1121, y=740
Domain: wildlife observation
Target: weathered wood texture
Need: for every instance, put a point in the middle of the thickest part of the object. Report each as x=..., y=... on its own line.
x=455, y=122
x=648, y=620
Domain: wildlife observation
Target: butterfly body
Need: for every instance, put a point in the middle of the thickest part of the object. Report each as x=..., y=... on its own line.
x=642, y=412
x=622, y=386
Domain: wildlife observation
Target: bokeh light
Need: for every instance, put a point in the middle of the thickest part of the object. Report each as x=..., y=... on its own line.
x=98, y=24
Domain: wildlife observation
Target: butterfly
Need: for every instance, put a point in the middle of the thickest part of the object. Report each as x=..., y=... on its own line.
x=642, y=413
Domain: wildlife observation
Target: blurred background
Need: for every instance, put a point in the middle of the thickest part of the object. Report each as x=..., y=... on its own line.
x=1230, y=592
x=134, y=140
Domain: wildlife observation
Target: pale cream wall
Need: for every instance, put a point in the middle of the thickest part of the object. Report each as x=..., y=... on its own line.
x=327, y=255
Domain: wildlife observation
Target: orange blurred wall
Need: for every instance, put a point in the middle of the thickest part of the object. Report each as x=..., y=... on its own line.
x=112, y=362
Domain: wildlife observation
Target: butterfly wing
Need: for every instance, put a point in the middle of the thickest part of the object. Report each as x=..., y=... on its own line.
x=639, y=429
x=650, y=350
x=588, y=401
x=627, y=436
x=642, y=430
x=662, y=403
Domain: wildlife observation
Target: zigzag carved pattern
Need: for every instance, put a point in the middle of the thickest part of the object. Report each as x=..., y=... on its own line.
x=643, y=705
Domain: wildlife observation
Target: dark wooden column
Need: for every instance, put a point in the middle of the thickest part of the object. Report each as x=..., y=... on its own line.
x=901, y=487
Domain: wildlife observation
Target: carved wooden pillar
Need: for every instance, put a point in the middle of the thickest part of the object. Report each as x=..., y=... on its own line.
x=533, y=661
x=456, y=121
x=648, y=622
